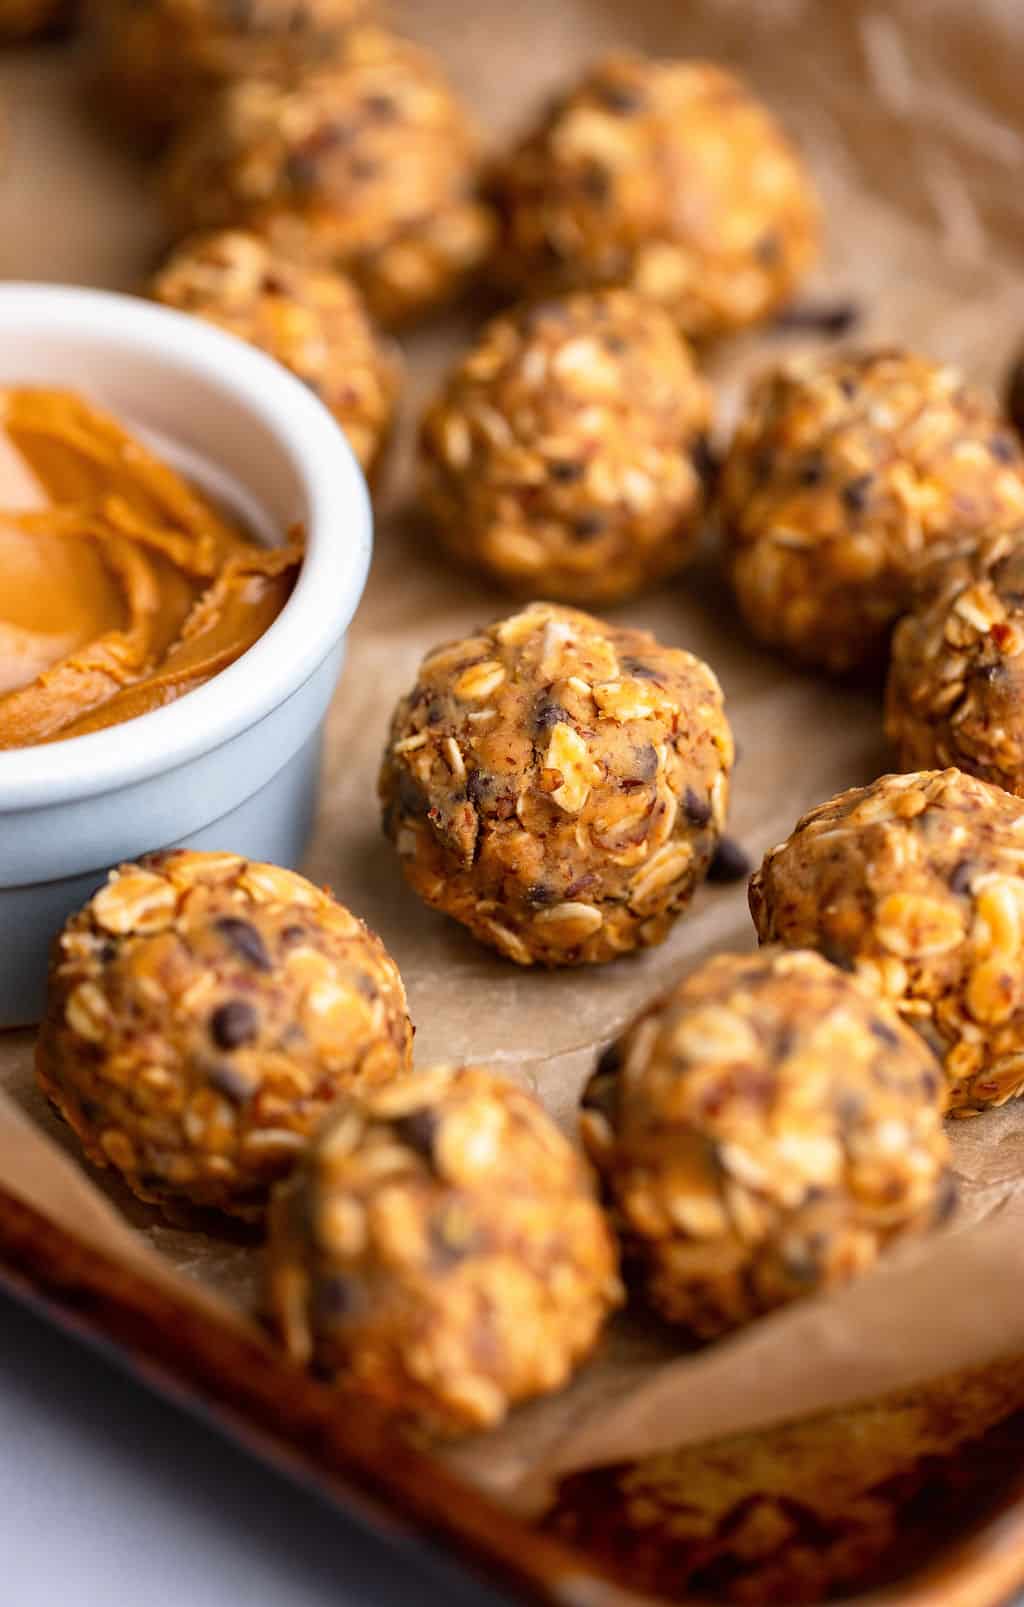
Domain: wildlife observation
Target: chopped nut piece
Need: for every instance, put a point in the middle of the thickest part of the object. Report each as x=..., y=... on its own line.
x=917, y=882
x=765, y=1130
x=446, y=1255
x=184, y=1026
x=574, y=823
x=577, y=479
x=664, y=176
x=849, y=479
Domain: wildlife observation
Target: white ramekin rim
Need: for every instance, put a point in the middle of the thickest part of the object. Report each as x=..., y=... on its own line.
x=328, y=589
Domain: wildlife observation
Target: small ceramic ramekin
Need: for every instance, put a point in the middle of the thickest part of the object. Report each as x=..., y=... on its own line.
x=235, y=764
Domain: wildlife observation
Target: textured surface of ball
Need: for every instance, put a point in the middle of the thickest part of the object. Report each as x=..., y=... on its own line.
x=917, y=884
x=665, y=176
x=558, y=785
x=847, y=479
x=441, y=1249
x=311, y=320
x=367, y=164
x=204, y=1011
x=567, y=452
x=956, y=678
x=765, y=1130
x=159, y=61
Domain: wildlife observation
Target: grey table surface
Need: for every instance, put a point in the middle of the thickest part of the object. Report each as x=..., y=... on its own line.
x=111, y=1497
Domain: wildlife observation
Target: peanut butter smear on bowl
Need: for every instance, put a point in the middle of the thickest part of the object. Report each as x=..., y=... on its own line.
x=121, y=587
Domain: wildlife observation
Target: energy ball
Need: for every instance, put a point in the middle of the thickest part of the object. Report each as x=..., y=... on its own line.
x=917, y=884
x=441, y=1250
x=558, y=785
x=664, y=176
x=204, y=1011
x=312, y=320
x=956, y=677
x=765, y=1131
x=847, y=478
x=367, y=165
x=159, y=61
x=567, y=452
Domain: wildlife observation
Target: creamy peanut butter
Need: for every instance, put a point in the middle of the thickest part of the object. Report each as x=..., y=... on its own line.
x=121, y=587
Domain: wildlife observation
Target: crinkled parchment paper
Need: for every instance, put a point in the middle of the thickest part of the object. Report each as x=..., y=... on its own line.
x=910, y=114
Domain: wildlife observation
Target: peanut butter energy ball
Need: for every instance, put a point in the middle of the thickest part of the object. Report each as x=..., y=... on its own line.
x=917, y=884
x=847, y=478
x=668, y=177
x=367, y=164
x=159, y=61
x=204, y=1012
x=565, y=453
x=558, y=785
x=956, y=679
x=765, y=1131
x=312, y=320
x=440, y=1249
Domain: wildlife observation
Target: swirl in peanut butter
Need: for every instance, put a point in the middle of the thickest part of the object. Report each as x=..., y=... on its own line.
x=123, y=587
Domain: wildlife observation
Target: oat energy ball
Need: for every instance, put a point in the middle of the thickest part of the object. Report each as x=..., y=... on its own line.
x=558, y=785
x=765, y=1131
x=917, y=884
x=847, y=478
x=159, y=61
x=204, y=1011
x=665, y=176
x=567, y=452
x=367, y=164
x=440, y=1248
x=956, y=678
x=312, y=320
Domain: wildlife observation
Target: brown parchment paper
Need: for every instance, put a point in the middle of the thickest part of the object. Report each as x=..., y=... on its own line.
x=910, y=113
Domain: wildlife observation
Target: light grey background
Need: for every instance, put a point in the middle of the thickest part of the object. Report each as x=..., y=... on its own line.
x=109, y=1497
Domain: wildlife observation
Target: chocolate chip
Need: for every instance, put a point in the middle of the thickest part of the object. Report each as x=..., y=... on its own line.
x=1003, y=448
x=382, y=107
x=960, y=877
x=546, y=714
x=857, y=493
x=1015, y=394
x=884, y=1033
x=419, y=1131
x=812, y=470
x=234, y=1024
x=645, y=763
x=639, y=670
x=589, y=526
x=609, y=1062
x=336, y=1296
x=697, y=809
x=706, y=462
x=595, y=183
x=564, y=470
x=730, y=863
x=245, y=940
x=945, y=1198
x=830, y=318
x=619, y=98
x=223, y=1076
x=537, y=895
